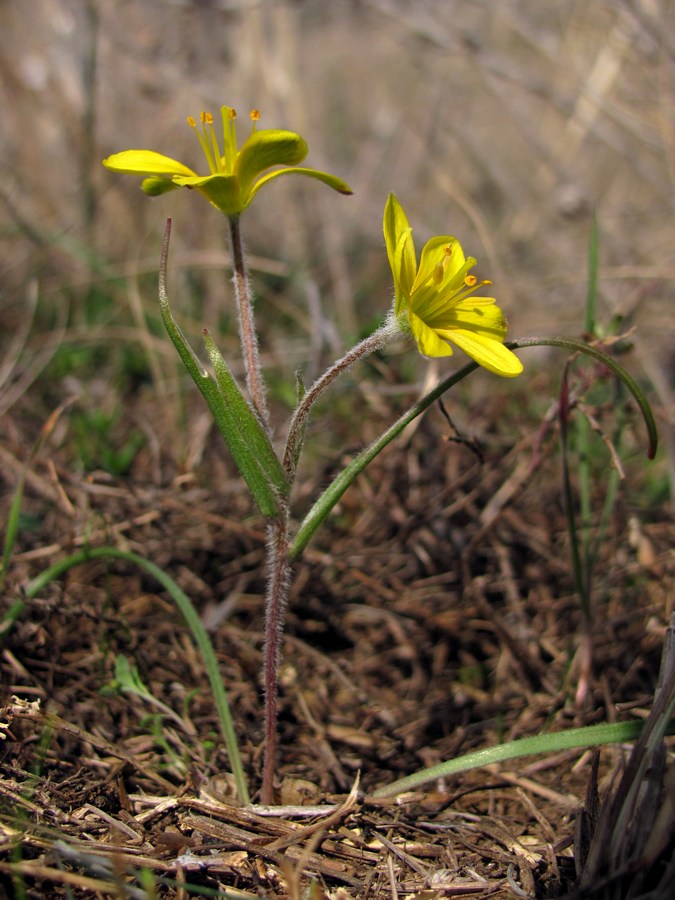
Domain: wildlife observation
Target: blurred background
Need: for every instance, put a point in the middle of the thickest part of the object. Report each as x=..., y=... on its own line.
x=509, y=125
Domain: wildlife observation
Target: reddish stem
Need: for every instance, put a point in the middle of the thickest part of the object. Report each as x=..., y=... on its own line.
x=275, y=607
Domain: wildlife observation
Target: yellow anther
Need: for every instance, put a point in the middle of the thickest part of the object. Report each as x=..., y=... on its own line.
x=255, y=115
x=470, y=281
x=208, y=118
x=447, y=250
x=233, y=113
x=439, y=268
x=191, y=122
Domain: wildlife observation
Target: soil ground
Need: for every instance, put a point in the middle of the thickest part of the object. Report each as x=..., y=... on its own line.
x=435, y=615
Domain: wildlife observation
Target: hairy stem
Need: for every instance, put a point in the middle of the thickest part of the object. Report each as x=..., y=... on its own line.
x=278, y=579
x=247, y=330
x=279, y=569
x=299, y=419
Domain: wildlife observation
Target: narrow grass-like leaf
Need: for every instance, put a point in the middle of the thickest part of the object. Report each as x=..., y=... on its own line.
x=580, y=537
x=577, y=346
x=579, y=568
x=325, y=503
x=590, y=736
x=593, y=268
x=193, y=621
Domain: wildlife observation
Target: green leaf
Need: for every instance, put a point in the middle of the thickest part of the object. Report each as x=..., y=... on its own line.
x=234, y=421
x=193, y=622
x=242, y=418
x=580, y=347
x=325, y=503
x=589, y=736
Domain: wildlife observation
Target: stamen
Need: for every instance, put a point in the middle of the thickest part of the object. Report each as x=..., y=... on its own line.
x=442, y=264
x=471, y=281
x=229, y=139
x=215, y=166
x=203, y=139
x=255, y=115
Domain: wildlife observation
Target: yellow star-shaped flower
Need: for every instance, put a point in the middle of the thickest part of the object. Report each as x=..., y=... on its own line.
x=235, y=175
x=435, y=301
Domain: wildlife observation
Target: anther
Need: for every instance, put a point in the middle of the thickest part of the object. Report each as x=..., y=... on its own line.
x=255, y=115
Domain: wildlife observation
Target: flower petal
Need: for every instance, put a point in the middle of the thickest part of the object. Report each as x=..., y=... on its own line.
x=479, y=314
x=400, y=250
x=428, y=342
x=266, y=148
x=433, y=252
x=488, y=353
x=331, y=180
x=145, y=162
x=433, y=289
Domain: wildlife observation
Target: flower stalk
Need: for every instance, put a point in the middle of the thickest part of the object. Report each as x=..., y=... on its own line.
x=248, y=335
x=278, y=583
x=372, y=343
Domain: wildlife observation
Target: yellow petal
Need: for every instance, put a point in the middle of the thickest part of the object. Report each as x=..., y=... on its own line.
x=266, y=148
x=400, y=250
x=331, y=180
x=488, y=353
x=428, y=342
x=478, y=314
x=145, y=162
x=442, y=249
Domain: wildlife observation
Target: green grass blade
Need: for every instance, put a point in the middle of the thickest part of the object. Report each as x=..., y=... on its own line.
x=325, y=503
x=577, y=346
x=579, y=560
x=194, y=623
x=583, y=438
x=589, y=736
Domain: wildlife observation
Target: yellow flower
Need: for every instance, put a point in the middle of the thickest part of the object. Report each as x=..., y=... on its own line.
x=235, y=176
x=435, y=300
